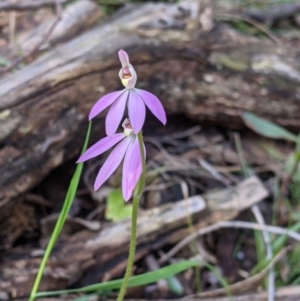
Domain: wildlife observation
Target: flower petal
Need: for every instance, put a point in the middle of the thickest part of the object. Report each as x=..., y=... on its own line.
x=136, y=111
x=154, y=105
x=100, y=147
x=124, y=58
x=111, y=163
x=103, y=103
x=115, y=114
x=132, y=169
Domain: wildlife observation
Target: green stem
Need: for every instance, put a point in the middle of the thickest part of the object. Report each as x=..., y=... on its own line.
x=131, y=248
x=141, y=184
x=136, y=198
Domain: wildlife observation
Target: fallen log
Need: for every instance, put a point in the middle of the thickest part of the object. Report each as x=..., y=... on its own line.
x=204, y=70
x=93, y=257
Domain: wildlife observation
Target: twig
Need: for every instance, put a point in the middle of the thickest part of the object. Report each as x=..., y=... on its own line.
x=266, y=236
x=189, y=221
x=37, y=47
x=161, y=186
x=37, y=199
x=227, y=224
x=184, y=134
x=256, y=24
x=30, y=5
x=12, y=27
x=162, y=150
x=213, y=172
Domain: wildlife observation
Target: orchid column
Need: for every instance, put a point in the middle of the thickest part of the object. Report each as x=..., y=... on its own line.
x=129, y=145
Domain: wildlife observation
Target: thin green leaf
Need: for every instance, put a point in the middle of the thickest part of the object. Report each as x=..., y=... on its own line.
x=139, y=280
x=259, y=245
x=221, y=279
x=267, y=128
x=274, y=153
x=281, y=240
x=61, y=220
x=260, y=252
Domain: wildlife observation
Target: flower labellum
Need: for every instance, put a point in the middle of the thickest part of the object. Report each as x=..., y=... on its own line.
x=136, y=100
x=127, y=148
x=127, y=73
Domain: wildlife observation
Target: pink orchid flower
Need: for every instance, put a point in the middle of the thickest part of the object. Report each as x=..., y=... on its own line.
x=136, y=100
x=127, y=148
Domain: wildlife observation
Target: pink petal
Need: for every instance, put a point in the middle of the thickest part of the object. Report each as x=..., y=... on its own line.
x=103, y=103
x=115, y=114
x=132, y=169
x=111, y=163
x=154, y=105
x=136, y=111
x=100, y=147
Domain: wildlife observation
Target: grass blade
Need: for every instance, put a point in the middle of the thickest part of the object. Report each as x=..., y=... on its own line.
x=61, y=220
x=267, y=128
x=138, y=280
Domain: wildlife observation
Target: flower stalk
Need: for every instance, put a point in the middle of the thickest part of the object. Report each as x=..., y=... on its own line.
x=135, y=206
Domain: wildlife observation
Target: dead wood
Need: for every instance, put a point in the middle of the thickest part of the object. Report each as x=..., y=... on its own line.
x=204, y=70
x=91, y=256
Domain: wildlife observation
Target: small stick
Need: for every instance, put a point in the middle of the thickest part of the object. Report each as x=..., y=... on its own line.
x=227, y=224
x=256, y=24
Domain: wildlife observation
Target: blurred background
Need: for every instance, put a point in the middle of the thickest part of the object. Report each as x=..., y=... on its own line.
x=223, y=176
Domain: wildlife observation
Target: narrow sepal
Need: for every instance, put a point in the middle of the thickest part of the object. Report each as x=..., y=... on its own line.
x=132, y=169
x=154, y=105
x=103, y=103
x=136, y=111
x=115, y=114
x=100, y=147
x=111, y=163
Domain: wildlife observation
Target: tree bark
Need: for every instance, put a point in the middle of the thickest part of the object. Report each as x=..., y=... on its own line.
x=204, y=70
